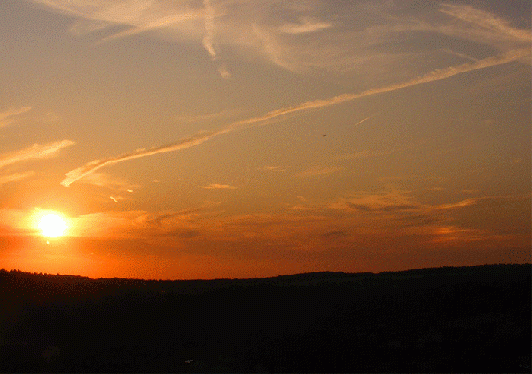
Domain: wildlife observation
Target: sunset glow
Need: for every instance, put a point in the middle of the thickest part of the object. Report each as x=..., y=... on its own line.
x=247, y=138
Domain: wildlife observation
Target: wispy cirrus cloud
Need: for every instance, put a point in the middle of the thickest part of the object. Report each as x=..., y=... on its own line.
x=137, y=15
x=300, y=35
x=486, y=21
x=6, y=117
x=307, y=25
x=34, y=152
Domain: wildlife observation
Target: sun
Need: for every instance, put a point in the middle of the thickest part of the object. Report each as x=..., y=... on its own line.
x=52, y=225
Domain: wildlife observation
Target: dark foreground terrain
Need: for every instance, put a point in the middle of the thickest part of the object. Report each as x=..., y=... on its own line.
x=466, y=319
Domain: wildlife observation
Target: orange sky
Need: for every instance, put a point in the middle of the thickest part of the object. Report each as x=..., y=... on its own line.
x=242, y=138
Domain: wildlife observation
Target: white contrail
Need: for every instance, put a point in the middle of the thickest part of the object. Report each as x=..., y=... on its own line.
x=197, y=139
x=361, y=122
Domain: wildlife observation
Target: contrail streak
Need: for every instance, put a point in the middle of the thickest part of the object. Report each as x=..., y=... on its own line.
x=362, y=121
x=197, y=139
x=92, y=166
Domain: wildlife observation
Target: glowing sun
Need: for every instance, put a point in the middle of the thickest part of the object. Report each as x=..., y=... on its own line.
x=52, y=225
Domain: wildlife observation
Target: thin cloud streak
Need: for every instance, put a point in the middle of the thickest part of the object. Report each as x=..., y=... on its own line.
x=139, y=15
x=92, y=166
x=361, y=122
x=209, y=29
x=34, y=152
x=308, y=25
x=6, y=117
x=460, y=204
x=207, y=117
x=216, y=186
x=197, y=139
x=15, y=177
x=318, y=171
x=486, y=21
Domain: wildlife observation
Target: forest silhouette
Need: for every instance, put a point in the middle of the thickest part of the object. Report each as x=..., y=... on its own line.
x=448, y=319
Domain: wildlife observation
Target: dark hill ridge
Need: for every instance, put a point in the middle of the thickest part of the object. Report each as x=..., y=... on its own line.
x=474, y=319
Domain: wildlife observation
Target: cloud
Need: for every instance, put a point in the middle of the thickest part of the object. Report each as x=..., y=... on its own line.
x=395, y=201
x=200, y=138
x=361, y=121
x=109, y=224
x=317, y=170
x=435, y=75
x=381, y=37
x=486, y=21
x=15, y=177
x=451, y=234
x=116, y=199
x=460, y=204
x=34, y=152
x=393, y=217
x=224, y=73
x=272, y=48
x=307, y=25
x=106, y=180
x=209, y=28
x=301, y=36
x=162, y=219
x=142, y=224
x=92, y=166
x=6, y=116
x=216, y=186
x=385, y=202
x=138, y=15
x=207, y=117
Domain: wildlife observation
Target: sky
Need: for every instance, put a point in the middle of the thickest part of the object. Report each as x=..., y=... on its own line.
x=245, y=138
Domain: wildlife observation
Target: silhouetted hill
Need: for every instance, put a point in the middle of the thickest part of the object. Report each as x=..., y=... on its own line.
x=474, y=319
